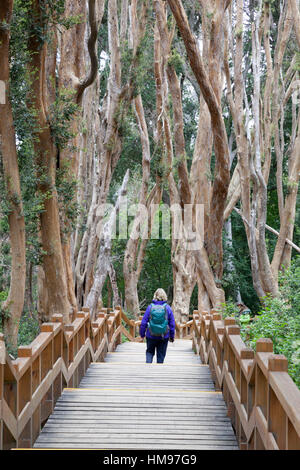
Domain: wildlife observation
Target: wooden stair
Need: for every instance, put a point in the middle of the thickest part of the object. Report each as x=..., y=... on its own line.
x=124, y=403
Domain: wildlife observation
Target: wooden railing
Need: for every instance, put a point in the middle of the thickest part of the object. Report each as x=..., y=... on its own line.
x=263, y=401
x=58, y=357
x=182, y=330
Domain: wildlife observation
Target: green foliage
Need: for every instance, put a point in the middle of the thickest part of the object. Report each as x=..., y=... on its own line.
x=52, y=12
x=279, y=320
x=229, y=309
x=66, y=190
x=29, y=328
x=241, y=276
x=238, y=32
x=136, y=68
x=62, y=114
x=157, y=271
x=124, y=338
x=297, y=62
x=176, y=60
x=4, y=314
x=3, y=295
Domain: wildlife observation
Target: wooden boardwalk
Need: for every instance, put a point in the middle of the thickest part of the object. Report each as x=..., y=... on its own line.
x=124, y=403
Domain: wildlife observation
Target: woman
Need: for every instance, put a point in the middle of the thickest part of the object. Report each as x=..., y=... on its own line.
x=158, y=324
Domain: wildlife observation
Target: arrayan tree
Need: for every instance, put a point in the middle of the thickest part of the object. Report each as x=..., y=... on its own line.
x=260, y=137
x=13, y=306
x=58, y=68
x=107, y=136
x=258, y=120
x=211, y=133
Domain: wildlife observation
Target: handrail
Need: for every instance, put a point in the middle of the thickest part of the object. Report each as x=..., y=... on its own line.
x=182, y=330
x=263, y=401
x=57, y=358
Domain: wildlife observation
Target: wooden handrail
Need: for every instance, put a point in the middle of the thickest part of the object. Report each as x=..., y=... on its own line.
x=263, y=401
x=182, y=330
x=57, y=358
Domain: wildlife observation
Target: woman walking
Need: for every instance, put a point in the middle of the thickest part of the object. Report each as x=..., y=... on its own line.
x=158, y=324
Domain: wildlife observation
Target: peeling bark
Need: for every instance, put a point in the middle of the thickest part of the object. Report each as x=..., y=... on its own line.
x=136, y=244
x=104, y=268
x=42, y=66
x=15, y=300
x=222, y=174
x=108, y=144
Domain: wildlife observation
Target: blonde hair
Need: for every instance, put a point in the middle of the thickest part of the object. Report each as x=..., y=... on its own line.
x=160, y=294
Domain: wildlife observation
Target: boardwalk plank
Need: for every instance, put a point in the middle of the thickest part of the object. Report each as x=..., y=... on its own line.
x=119, y=398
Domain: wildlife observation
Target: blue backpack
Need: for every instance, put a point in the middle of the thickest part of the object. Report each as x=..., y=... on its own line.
x=158, y=324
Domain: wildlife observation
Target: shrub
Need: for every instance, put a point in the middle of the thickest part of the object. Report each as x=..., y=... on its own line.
x=279, y=320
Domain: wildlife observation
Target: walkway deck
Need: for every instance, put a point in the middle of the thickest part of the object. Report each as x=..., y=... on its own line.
x=123, y=403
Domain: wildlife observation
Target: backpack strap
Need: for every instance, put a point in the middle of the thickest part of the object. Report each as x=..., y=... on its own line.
x=166, y=316
x=151, y=306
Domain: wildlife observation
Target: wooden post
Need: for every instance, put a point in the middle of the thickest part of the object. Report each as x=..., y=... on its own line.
x=229, y=321
x=264, y=345
x=118, y=324
x=277, y=419
x=278, y=363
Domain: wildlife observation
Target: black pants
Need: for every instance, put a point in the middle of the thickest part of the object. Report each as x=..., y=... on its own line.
x=160, y=345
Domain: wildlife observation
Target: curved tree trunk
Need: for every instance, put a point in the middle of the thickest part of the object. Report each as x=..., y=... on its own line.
x=78, y=70
x=15, y=301
x=211, y=265
x=109, y=138
x=42, y=66
x=104, y=258
x=222, y=173
x=184, y=280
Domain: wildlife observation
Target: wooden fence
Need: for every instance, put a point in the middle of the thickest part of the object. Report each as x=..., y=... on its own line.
x=182, y=330
x=263, y=401
x=58, y=357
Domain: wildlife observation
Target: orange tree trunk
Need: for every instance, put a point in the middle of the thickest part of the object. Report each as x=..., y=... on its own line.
x=15, y=301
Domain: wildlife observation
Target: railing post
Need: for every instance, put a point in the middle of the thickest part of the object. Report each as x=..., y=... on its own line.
x=132, y=328
x=24, y=396
x=276, y=417
x=227, y=322
x=232, y=329
x=118, y=324
x=262, y=400
x=264, y=345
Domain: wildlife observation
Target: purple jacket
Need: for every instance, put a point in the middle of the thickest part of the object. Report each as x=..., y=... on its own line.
x=146, y=319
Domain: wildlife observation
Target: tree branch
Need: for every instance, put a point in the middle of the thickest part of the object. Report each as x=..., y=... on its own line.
x=271, y=229
x=92, y=41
